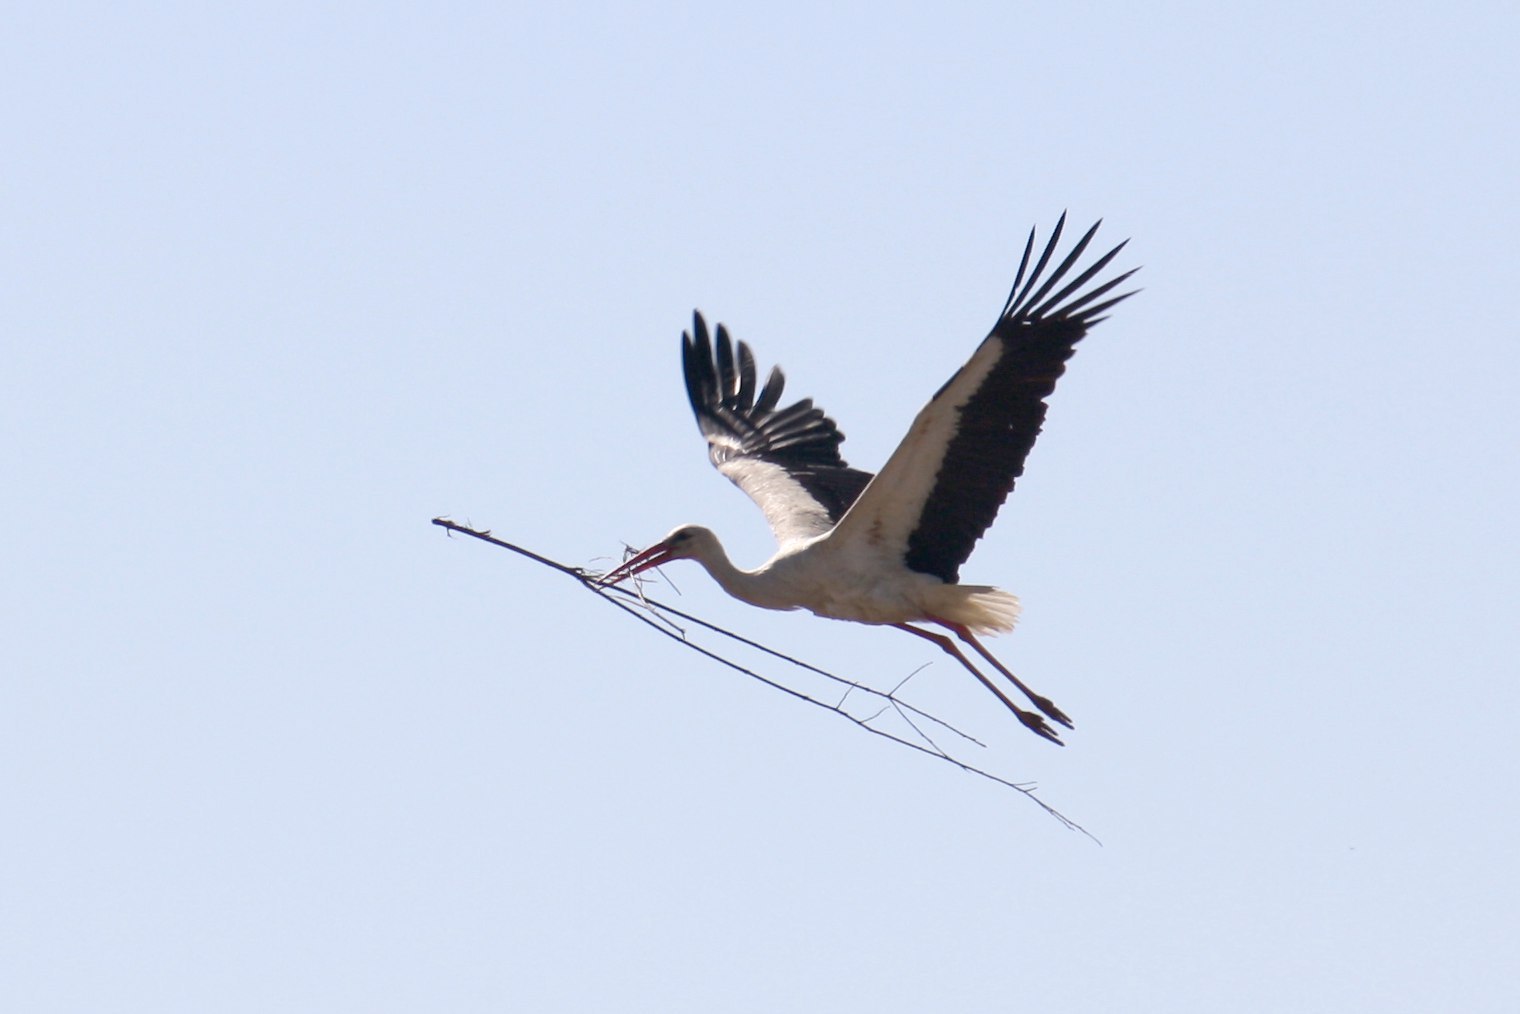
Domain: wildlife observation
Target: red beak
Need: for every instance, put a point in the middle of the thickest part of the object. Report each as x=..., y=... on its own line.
x=651, y=557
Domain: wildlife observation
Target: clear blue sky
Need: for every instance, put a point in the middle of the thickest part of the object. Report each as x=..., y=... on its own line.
x=284, y=281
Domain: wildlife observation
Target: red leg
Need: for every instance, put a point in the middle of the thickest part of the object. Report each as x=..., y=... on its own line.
x=1045, y=704
x=1033, y=722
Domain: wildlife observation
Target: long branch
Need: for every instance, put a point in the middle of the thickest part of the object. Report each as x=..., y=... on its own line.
x=647, y=610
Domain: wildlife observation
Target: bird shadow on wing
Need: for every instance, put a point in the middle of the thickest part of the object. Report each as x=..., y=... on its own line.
x=669, y=622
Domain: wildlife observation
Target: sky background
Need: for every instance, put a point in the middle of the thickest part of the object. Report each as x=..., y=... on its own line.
x=285, y=281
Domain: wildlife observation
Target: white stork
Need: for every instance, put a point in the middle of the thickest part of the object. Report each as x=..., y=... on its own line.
x=888, y=549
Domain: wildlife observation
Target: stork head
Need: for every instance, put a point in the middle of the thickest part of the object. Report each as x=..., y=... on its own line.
x=684, y=543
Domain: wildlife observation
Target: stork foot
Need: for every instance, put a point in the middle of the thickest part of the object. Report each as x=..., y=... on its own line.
x=1052, y=712
x=1037, y=725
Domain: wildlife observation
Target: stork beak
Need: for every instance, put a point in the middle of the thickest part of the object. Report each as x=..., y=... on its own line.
x=651, y=557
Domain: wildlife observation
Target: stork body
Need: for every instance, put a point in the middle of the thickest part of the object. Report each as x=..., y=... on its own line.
x=844, y=579
x=887, y=549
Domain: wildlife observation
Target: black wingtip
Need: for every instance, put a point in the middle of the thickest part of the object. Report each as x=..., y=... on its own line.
x=697, y=364
x=1035, y=295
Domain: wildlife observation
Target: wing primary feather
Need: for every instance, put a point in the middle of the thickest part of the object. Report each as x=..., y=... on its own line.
x=1090, y=321
x=727, y=380
x=770, y=394
x=1018, y=278
x=745, y=395
x=1072, y=308
x=697, y=358
x=1050, y=248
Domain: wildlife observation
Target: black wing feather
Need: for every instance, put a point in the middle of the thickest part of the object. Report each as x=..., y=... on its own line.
x=999, y=423
x=720, y=381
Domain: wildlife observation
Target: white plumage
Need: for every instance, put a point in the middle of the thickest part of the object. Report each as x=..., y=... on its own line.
x=887, y=549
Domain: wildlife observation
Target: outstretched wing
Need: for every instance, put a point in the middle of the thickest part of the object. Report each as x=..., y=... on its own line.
x=787, y=460
x=944, y=484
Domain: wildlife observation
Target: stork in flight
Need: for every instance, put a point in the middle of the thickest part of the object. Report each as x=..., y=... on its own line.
x=887, y=549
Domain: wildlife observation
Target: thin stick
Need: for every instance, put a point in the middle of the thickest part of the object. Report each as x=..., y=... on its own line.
x=619, y=597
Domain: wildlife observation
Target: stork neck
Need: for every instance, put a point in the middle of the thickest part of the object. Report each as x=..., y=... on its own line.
x=741, y=584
